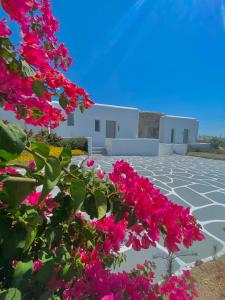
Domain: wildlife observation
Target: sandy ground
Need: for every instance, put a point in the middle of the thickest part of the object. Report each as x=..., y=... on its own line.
x=210, y=279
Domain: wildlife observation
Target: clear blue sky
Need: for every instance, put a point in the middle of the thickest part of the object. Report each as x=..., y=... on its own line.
x=157, y=55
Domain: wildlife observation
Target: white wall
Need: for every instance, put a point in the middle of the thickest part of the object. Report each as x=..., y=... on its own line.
x=127, y=120
x=179, y=124
x=169, y=149
x=10, y=117
x=143, y=147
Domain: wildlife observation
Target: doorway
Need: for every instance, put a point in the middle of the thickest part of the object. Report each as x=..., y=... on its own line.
x=110, y=129
x=186, y=136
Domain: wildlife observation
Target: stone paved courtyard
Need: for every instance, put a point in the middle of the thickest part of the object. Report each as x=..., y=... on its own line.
x=189, y=181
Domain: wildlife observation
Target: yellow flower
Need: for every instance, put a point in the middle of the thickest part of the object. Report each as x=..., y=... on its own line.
x=25, y=157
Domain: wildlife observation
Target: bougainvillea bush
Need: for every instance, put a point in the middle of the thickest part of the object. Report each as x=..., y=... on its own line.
x=62, y=225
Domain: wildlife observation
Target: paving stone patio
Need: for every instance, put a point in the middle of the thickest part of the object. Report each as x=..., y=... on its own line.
x=193, y=182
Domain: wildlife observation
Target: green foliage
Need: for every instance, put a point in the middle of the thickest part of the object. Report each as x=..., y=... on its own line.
x=101, y=204
x=11, y=294
x=217, y=142
x=49, y=138
x=76, y=143
x=78, y=193
x=39, y=88
x=26, y=69
x=12, y=141
x=27, y=235
x=52, y=175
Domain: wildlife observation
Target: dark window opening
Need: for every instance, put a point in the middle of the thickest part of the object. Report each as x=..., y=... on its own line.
x=97, y=125
x=70, y=120
x=172, y=135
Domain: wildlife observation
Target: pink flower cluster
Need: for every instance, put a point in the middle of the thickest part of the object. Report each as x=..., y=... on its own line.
x=154, y=213
x=46, y=206
x=102, y=284
x=115, y=233
x=40, y=48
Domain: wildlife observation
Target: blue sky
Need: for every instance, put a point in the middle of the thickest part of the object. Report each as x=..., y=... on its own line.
x=157, y=55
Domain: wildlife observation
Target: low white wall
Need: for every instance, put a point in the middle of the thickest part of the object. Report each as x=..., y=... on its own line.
x=168, y=149
x=142, y=147
x=201, y=146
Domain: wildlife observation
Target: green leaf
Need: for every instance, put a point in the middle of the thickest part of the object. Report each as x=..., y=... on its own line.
x=22, y=271
x=90, y=207
x=65, y=157
x=12, y=141
x=26, y=69
x=78, y=192
x=45, y=272
x=16, y=192
x=101, y=204
x=7, y=54
x=14, y=66
x=39, y=88
x=11, y=294
x=43, y=150
x=52, y=175
x=63, y=101
x=30, y=236
x=68, y=272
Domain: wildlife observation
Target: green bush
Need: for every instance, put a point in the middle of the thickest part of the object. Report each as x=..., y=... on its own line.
x=55, y=140
x=76, y=143
x=49, y=138
x=217, y=142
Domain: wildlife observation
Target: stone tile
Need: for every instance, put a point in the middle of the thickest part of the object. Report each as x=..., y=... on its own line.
x=203, y=249
x=178, y=182
x=213, y=212
x=217, y=196
x=217, y=229
x=192, y=197
x=202, y=188
x=178, y=201
x=139, y=257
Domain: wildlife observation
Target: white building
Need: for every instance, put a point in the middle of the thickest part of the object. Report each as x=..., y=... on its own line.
x=126, y=131
x=100, y=122
x=178, y=130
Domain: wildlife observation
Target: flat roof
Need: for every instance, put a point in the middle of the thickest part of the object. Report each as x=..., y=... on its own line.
x=116, y=106
x=180, y=117
x=151, y=112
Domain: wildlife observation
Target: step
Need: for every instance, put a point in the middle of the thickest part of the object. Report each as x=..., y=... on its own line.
x=98, y=150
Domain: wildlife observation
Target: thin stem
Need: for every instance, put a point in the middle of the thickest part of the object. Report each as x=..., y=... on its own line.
x=20, y=179
x=35, y=154
x=18, y=165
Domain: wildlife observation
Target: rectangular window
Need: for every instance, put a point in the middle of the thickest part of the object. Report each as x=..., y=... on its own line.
x=97, y=125
x=172, y=135
x=70, y=120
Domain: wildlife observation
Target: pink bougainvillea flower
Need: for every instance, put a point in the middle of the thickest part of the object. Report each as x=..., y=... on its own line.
x=90, y=163
x=4, y=29
x=37, y=265
x=100, y=173
x=108, y=297
x=32, y=165
x=14, y=263
x=8, y=170
x=32, y=199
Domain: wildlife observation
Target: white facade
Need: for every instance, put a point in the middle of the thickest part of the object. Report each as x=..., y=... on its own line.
x=178, y=130
x=169, y=149
x=102, y=121
x=115, y=128
x=140, y=147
